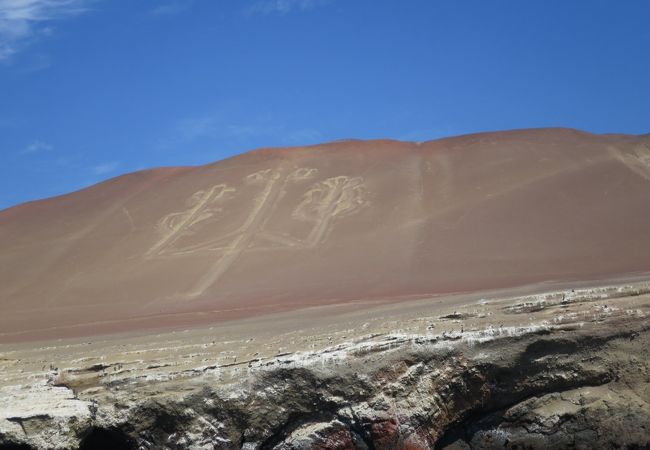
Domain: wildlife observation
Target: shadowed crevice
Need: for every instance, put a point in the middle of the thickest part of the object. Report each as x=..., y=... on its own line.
x=107, y=439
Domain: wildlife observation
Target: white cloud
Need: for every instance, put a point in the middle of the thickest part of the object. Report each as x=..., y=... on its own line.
x=21, y=21
x=281, y=7
x=103, y=169
x=36, y=147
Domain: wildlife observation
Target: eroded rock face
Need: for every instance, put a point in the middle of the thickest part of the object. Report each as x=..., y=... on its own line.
x=582, y=381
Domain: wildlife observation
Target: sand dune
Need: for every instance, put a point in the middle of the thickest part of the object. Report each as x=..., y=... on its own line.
x=282, y=229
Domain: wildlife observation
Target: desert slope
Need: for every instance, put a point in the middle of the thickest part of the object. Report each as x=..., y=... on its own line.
x=350, y=221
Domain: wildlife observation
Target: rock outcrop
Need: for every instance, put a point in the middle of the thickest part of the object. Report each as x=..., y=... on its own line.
x=577, y=375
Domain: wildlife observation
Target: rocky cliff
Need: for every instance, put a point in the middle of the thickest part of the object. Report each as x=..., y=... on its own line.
x=564, y=369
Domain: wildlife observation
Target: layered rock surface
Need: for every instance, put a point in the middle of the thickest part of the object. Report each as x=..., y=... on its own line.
x=566, y=369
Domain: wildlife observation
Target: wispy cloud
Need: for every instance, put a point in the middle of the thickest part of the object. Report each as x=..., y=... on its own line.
x=232, y=127
x=23, y=21
x=36, y=147
x=304, y=137
x=171, y=7
x=281, y=7
x=215, y=126
x=103, y=169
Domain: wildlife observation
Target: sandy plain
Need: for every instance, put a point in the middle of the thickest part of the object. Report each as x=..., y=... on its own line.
x=228, y=350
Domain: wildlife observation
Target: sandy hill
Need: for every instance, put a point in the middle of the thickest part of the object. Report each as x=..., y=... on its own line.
x=350, y=221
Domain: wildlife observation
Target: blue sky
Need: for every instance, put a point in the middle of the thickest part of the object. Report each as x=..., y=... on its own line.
x=90, y=89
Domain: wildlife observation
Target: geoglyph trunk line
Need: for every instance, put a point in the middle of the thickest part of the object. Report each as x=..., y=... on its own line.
x=323, y=223
x=637, y=161
x=263, y=203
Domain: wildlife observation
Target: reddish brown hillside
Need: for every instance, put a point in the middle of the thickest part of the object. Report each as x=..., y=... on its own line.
x=280, y=229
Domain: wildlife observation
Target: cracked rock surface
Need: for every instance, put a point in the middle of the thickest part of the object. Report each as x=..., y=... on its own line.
x=563, y=369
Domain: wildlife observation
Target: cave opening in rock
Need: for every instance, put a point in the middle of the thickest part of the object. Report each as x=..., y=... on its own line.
x=106, y=439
